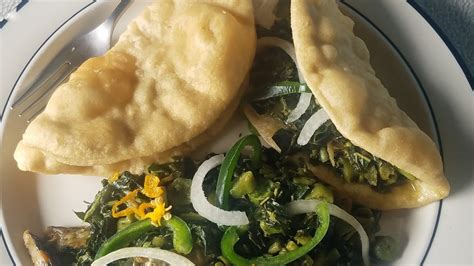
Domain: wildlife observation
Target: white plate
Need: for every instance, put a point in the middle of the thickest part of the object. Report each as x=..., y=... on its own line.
x=408, y=55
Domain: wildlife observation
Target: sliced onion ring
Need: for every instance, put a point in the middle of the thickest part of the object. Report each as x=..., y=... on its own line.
x=206, y=209
x=313, y=123
x=303, y=104
x=152, y=253
x=305, y=98
x=304, y=206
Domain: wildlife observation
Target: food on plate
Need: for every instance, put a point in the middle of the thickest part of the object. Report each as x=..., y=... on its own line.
x=340, y=148
x=170, y=83
x=38, y=254
x=249, y=207
x=57, y=242
x=324, y=103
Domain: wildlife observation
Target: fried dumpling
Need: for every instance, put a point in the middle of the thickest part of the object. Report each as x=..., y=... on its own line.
x=177, y=69
x=335, y=64
x=363, y=145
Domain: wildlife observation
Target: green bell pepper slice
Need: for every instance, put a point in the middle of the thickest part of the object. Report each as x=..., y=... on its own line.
x=224, y=181
x=231, y=237
x=182, y=238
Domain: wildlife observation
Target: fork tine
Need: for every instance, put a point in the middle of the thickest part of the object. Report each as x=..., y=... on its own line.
x=41, y=82
x=46, y=92
x=35, y=114
x=31, y=106
x=75, y=52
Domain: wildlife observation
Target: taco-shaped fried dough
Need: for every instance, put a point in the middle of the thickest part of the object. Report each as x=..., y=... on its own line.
x=369, y=149
x=173, y=79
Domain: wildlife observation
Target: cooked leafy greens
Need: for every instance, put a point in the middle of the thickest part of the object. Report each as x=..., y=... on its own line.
x=276, y=90
x=99, y=214
x=262, y=192
x=328, y=147
x=176, y=176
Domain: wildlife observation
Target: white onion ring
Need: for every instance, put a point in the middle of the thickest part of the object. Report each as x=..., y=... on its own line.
x=313, y=123
x=206, y=209
x=305, y=98
x=152, y=253
x=304, y=206
x=303, y=104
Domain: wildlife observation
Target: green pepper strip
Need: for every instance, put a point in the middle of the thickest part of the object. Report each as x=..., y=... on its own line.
x=122, y=238
x=231, y=237
x=281, y=89
x=182, y=239
x=228, y=167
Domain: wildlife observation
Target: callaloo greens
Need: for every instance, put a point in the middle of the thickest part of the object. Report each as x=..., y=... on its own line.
x=260, y=186
x=328, y=146
x=274, y=81
x=157, y=210
x=291, y=204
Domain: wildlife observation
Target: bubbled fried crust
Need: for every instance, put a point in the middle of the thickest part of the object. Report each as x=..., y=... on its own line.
x=335, y=64
x=173, y=73
x=35, y=160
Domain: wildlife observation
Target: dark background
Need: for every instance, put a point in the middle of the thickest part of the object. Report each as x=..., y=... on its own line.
x=455, y=20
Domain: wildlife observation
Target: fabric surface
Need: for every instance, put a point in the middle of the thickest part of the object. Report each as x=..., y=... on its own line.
x=455, y=18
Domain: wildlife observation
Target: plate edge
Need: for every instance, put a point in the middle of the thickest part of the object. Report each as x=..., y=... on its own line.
x=3, y=235
x=35, y=53
x=428, y=102
x=457, y=56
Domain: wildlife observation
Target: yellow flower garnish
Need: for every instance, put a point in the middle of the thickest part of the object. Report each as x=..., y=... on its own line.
x=154, y=210
x=151, y=186
x=141, y=211
x=157, y=213
x=129, y=200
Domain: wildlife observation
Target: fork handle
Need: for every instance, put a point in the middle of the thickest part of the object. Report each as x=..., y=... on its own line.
x=110, y=21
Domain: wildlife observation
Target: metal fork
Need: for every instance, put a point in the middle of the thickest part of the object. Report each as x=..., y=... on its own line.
x=94, y=43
